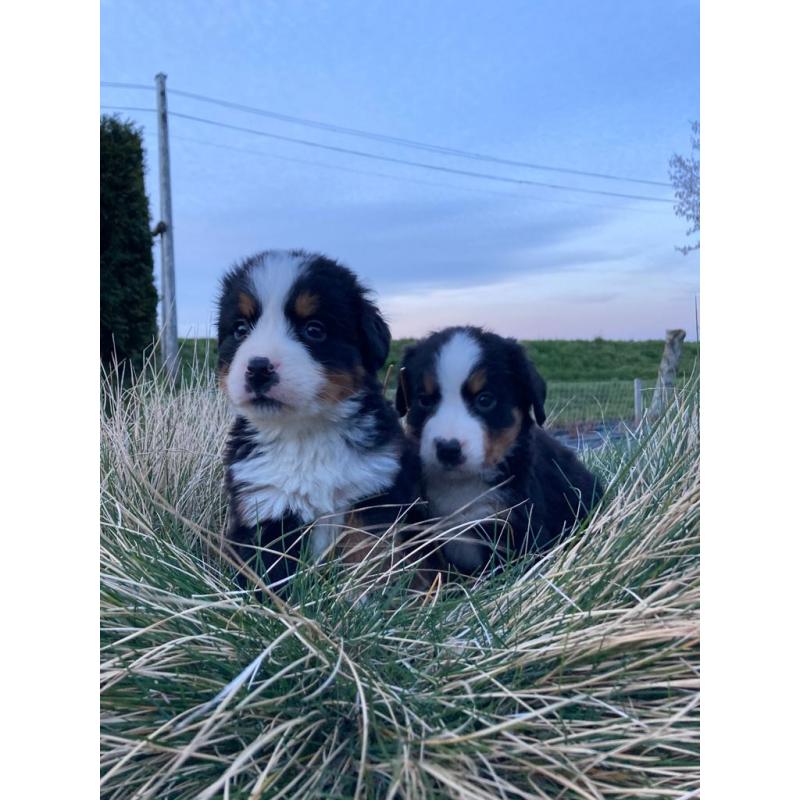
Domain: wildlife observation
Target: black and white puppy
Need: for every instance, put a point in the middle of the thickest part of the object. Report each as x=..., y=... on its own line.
x=300, y=345
x=467, y=395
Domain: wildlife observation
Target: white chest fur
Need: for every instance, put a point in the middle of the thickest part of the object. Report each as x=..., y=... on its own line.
x=309, y=473
x=463, y=501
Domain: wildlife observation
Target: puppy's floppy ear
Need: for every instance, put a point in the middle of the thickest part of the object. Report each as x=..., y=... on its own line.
x=374, y=335
x=402, y=396
x=532, y=384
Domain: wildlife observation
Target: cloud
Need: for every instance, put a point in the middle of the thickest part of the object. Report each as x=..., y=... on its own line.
x=538, y=306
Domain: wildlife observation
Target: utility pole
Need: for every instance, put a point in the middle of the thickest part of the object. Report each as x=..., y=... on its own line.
x=169, y=312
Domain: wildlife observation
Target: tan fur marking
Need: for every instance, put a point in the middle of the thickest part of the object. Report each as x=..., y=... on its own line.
x=497, y=445
x=357, y=545
x=247, y=306
x=306, y=304
x=477, y=381
x=429, y=383
x=339, y=386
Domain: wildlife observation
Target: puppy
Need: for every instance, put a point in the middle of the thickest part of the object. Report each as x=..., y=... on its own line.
x=467, y=396
x=300, y=345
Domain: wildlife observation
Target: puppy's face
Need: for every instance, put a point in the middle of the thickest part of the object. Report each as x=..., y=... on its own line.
x=468, y=396
x=297, y=336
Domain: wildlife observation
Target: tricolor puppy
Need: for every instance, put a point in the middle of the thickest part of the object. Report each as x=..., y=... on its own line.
x=467, y=395
x=300, y=344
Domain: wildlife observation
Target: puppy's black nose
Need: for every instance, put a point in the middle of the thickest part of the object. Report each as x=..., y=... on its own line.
x=260, y=374
x=448, y=451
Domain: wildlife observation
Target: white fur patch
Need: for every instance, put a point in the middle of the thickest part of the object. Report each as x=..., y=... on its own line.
x=463, y=500
x=300, y=376
x=452, y=420
x=309, y=470
x=448, y=495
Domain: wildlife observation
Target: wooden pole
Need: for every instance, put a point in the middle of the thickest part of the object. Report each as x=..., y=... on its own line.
x=665, y=386
x=169, y=312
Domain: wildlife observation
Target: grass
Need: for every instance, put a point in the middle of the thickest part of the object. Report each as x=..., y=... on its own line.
x=592, y=360
x=573, y=678
x=559, y=360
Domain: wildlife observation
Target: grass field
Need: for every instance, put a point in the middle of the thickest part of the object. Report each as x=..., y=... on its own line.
x=588, y=381
x=576, y=677
x=592, y=360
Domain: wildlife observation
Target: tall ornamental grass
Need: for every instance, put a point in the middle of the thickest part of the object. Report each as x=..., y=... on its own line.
x=573, y=677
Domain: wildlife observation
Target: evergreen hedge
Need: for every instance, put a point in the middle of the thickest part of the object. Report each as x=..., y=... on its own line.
x=128, y=296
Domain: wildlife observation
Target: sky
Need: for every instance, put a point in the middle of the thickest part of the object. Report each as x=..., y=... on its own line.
x=590, y=85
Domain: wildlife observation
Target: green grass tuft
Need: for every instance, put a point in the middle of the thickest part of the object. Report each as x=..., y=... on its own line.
x=573, y=678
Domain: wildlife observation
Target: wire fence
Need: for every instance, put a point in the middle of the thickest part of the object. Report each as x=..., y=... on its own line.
x=587, y=414
x=581, y=406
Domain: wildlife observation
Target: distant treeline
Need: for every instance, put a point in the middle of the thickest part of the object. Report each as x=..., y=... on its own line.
x=559, y=360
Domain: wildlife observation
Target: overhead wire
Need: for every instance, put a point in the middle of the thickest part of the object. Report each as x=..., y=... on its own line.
x=402, y=178
x=381, y=137
x=393, y=160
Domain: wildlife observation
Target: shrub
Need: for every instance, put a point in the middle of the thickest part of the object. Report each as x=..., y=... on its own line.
x=128, y=297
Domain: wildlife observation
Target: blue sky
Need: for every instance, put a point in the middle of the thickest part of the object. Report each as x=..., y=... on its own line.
x=590, y=85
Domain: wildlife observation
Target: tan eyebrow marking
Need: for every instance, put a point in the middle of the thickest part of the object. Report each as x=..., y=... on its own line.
x=429, y=383
x=477, y=381
x=247, y=306
x=306, y=304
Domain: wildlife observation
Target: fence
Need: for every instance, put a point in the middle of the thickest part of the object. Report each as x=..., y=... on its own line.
x=588, y=405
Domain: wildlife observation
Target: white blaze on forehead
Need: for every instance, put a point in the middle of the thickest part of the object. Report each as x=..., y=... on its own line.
x=452, y=419
x=300, y=377
x=273, y=279
x=455, y=362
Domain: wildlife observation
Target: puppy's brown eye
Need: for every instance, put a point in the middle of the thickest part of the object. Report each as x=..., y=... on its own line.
x=427, y=400
x=314, y=331
x=485, y=401
x=241, y=330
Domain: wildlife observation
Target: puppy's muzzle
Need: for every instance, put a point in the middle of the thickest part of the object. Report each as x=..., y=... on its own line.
x=260, y=375
x=448, y=451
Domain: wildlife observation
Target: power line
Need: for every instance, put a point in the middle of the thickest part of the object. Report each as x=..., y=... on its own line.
x=391, y=160
x=388, y=175
x=381, y=137
x=120, y=85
